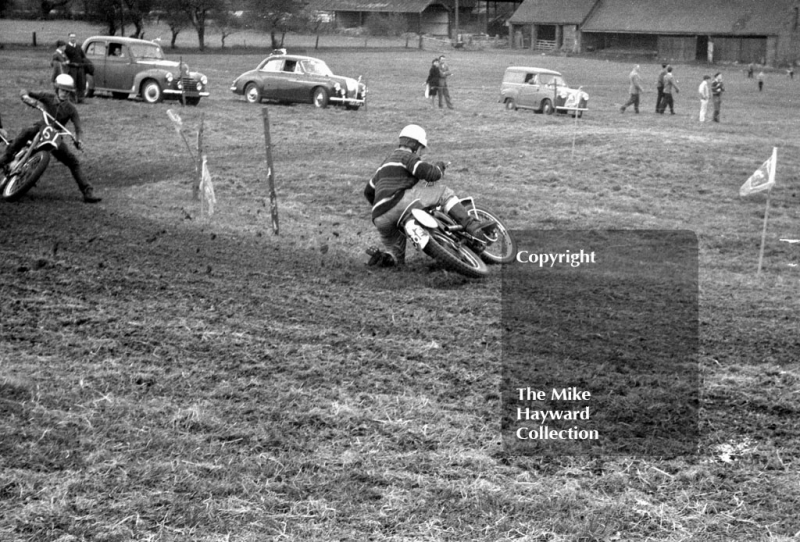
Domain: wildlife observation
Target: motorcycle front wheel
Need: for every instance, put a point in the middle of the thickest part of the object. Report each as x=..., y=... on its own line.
x=26, y=176
x=501, y=247
x=454, y=256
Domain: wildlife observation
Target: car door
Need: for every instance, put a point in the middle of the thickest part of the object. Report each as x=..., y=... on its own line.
x=292, y=82
x=120, y=67
x=529, y=91
x=270, y=74
x=96, y=52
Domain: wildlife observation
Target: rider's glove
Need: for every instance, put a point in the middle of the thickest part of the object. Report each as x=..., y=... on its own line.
x=442, y=166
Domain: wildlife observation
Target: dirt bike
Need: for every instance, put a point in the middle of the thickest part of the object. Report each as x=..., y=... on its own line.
x=28, y=165
x=435, y=233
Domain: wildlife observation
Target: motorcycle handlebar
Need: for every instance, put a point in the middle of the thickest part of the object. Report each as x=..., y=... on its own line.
x=48, y=118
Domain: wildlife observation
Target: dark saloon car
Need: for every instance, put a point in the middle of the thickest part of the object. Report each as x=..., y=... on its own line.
x=299, y=79
x=129, y=67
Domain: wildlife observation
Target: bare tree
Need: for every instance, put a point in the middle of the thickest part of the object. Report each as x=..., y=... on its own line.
x=275, y=16
x=46, y=6
x=198, y=12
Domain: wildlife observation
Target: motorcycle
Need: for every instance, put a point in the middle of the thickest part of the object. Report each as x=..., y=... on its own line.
x=28, y=165
x=436, y=234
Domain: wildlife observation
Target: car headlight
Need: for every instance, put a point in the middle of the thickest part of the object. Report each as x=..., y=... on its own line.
x=337, y=87
x=169, y=77
x=199, y=86
x=180, y=84
x=204, y=80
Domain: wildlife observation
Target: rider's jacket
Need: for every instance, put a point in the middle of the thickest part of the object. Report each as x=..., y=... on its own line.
x=63, y=111
x=399, y=172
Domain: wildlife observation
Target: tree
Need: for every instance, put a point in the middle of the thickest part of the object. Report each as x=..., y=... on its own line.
x=275, y=16
x=46, y=6
x=175, y=17
x=226, y=23
x=198, y=12
x=119, y=12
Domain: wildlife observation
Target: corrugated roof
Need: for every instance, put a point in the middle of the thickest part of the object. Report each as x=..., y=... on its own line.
x=388, y=6
x=730, y=17
x=552, y=12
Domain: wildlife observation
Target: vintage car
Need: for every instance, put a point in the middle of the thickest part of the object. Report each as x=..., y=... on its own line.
x=542, y=90
x=299, y=79
x=130, y=67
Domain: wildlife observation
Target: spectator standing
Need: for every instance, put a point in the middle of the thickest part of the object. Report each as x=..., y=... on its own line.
x=433, y=83
x=76, y=62
x=750, y=71
x=790, y=71
x=59, y=60
x=660, y=86
x=704, y=92
x=444, y=73
x=670, y=86
x=635, y=90
x=761, y=80
x=717, y=88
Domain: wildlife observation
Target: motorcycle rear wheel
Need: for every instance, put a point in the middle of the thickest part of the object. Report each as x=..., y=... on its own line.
x=23, y=180
x=454, y=255
x=501, y=248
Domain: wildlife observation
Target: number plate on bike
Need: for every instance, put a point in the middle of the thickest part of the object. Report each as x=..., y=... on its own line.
x=49, y=137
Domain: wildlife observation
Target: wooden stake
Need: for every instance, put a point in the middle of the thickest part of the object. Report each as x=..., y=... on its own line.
x=199, y=162
x=764, y=232
x=273, y=197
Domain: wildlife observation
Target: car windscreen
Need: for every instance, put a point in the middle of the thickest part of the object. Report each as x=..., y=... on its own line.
x=143, y=50
x=315, y=67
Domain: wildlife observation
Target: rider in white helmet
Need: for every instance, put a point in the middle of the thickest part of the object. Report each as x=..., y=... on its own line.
x=395, y=188
x=61, y=108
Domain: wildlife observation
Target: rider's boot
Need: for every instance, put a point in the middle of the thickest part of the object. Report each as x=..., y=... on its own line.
x=382, y=258
x=472, y=225
x=89, y=197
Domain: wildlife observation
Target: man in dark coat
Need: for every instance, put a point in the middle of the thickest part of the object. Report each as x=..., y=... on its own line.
x=76, y=63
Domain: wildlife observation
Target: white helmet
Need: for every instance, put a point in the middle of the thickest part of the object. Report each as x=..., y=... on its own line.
x=417, y=133
x=65, y=82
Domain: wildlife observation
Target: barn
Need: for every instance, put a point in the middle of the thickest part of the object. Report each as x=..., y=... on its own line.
x=431, y=17
x=549, y=24
x=730, y=31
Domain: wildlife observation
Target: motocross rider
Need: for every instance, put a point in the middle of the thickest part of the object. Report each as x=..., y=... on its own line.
x=395, y=188
x=61, y=108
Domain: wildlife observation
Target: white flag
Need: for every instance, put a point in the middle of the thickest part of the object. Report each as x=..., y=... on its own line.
x=176, y=120
x=207, y=188
x=763, y=178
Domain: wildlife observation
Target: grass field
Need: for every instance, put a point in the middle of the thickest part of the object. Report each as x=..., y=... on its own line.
x=165, y=375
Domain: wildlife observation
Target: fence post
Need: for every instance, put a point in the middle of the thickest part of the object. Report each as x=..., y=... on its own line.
x=273, y=197
x=199, y=166
x=34, y=39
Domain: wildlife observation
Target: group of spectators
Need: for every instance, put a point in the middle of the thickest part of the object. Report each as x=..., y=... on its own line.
x=436, y=84
x=666, y=86
x=69, y=58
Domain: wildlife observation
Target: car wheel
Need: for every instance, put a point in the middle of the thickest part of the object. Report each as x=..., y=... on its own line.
x=511, y=105
x=89, y=90
x=252, y=94
x=547, y=107
x=320, y=98
x=151, y=92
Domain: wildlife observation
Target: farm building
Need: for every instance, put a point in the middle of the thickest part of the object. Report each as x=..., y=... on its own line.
x=679, y=30
x=549, y=24
x=432, y=17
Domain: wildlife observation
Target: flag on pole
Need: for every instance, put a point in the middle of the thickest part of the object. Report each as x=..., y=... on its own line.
x=176, y=120
x=207, y=188
x=763, y=178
